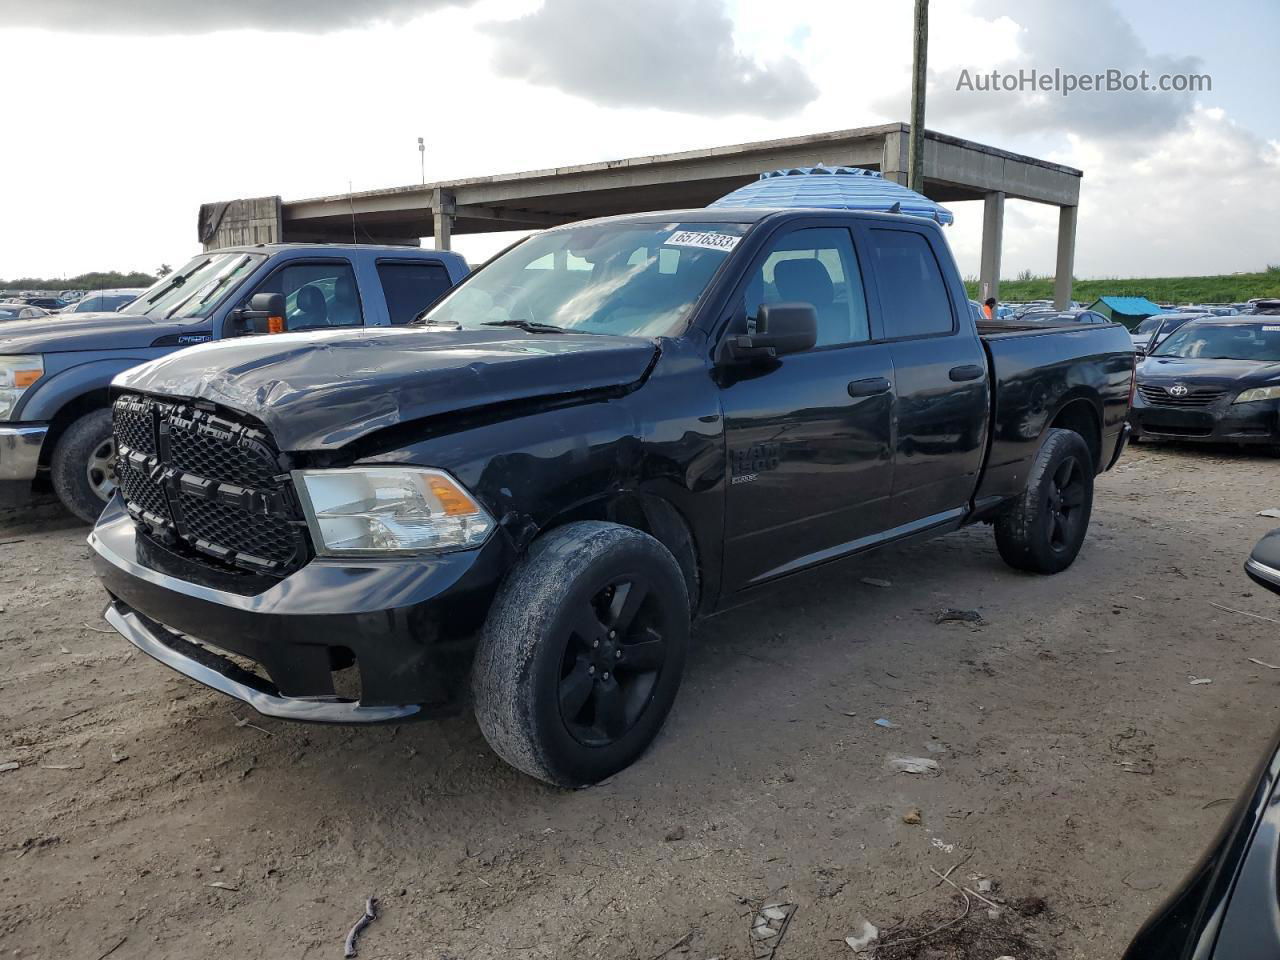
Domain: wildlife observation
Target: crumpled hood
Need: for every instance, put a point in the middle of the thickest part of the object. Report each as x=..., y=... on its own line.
x=64, y=332
x=320, y=390
x=1225, y=374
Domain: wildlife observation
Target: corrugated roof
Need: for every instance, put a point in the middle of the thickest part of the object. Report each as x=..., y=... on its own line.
x=1131, y=306
x=833, y=188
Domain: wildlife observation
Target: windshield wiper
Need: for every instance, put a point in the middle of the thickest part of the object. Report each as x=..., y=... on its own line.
x=528, y=326
x=175, y=281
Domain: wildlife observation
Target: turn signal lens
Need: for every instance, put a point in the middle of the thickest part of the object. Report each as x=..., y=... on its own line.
x=17, y=373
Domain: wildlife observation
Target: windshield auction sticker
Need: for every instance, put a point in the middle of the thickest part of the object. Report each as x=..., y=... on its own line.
x=706, y=241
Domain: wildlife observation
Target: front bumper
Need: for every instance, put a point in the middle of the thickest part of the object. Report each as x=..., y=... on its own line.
x=1219, y=422
x=409, y=625
x=20, y=446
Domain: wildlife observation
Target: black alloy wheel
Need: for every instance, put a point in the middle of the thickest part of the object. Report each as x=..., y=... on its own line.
x=1066, y=502
x=611, y=662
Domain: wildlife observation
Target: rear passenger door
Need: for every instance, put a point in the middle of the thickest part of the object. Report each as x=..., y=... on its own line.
x=410, y=286
x=941, y=374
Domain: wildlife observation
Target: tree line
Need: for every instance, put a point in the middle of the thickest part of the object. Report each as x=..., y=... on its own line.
x=95, y=280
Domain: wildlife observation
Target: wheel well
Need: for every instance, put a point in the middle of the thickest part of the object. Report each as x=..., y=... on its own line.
x=69, y=414
x=1080, y=416
x=651, y=515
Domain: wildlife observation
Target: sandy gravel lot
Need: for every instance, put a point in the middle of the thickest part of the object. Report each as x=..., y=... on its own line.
x=1077, y=764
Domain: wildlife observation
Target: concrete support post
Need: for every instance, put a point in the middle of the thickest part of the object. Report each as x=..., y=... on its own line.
x=992, y=239
x=443, y=209
x=893, y=163
x=1066, y=257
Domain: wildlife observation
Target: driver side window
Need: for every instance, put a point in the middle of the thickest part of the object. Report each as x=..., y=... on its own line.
x=317, y=294
x=814, y=265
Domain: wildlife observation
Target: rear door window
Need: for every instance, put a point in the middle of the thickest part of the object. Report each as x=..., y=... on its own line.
x=411, y=287
x=913, y=293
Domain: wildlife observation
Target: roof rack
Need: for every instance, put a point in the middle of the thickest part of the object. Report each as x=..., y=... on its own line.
x=834, y=188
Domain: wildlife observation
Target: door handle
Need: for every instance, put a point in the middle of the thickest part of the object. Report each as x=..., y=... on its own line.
x=868, y=387
x=969, y=371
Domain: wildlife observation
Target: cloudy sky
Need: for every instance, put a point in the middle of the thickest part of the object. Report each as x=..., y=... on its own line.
x=124, y=115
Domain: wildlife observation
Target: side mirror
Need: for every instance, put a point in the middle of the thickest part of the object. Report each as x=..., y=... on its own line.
x=781, y=328
x=263, y=306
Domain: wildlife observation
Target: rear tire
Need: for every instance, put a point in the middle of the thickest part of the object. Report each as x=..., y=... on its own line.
x=83, y=466
x=581, y=655
x=1044, y=529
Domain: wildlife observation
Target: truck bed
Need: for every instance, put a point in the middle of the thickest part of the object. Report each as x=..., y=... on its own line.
x=1036, y=371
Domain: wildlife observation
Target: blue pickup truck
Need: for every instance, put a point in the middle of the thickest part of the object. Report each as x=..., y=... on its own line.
x=55, y=417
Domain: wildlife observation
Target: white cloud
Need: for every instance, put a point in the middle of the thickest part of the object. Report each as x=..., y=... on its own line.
x=675, y=55
x=1085, y=37
x=187, y=17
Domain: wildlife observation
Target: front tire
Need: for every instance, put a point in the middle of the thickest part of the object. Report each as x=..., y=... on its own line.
x=581, y=655
x=83, y=465
x=1044, y=529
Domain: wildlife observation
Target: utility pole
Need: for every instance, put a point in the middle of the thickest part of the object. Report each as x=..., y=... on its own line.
x=915, y=142
x=422, y=159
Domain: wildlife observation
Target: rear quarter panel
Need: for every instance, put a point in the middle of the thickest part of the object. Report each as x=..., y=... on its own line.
x=1035, y=374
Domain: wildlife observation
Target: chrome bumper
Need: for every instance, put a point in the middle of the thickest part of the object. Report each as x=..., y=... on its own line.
x=207, y=667
x=1267, y=576
x=20, y=450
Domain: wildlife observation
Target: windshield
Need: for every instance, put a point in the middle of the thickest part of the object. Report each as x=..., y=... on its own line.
x=1235, y=341
x=196, y=289
x=9, y=313
x=629, y=279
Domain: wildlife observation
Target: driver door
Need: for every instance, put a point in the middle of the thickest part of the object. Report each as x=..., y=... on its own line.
x=809, y=435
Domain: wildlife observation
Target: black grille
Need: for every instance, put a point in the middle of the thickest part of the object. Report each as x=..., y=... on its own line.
x=199, y=447
x=134, y=425
x=141, y=490
x=265, y=539
x=209, y=486
x=1194, y=397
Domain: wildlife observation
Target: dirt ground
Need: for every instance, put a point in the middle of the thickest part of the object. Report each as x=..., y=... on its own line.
x=1077, y=765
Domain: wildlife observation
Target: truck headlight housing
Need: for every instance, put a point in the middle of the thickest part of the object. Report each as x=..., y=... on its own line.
x=1258, y=393
x=17, y=373
x=373, y=511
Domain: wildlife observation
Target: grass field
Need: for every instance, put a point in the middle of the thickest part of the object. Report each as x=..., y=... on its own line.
x=1230, y=288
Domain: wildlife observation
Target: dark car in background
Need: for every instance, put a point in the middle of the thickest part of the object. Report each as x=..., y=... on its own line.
x=1215, y=379
x=105, y=301
x=20, y=311
x=1150, y=332
x=51, y=304
x=1228, y=908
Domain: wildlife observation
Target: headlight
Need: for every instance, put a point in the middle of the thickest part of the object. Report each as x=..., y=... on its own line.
x=16, y=374
x=389, y=510
x=1259, y=393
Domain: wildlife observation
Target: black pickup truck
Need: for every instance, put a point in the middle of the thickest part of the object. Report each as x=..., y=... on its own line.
x=606, y=432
